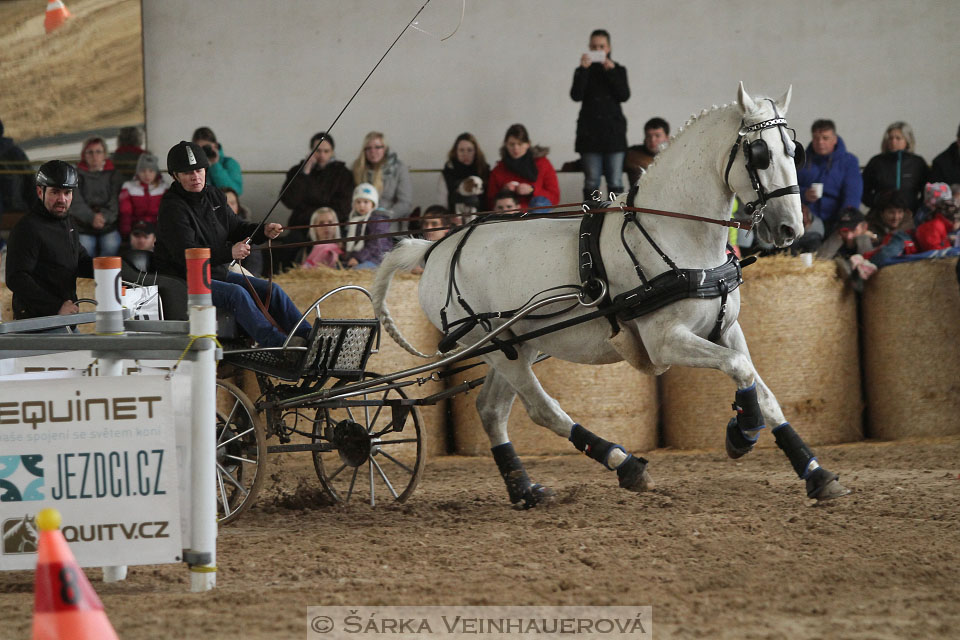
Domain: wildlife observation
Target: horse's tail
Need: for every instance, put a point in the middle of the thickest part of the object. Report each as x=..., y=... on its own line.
x=408, y=254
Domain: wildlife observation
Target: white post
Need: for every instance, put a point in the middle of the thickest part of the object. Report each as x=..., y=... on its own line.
x=109, y=322
x=203, y=322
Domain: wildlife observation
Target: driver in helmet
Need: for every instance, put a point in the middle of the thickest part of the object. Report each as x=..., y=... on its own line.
x=45, y=256
x=195, y=214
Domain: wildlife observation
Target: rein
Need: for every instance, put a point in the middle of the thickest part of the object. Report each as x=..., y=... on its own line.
x=516, y=215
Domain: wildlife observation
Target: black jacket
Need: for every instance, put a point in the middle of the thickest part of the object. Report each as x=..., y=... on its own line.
x=16, y=189
x=191, y=220
x=946, y=166
x=880, y=175
x=331, y=186
x=43, y=261
x=601, y=127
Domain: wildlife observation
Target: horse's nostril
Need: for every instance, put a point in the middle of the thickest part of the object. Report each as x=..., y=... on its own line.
x=787, y=232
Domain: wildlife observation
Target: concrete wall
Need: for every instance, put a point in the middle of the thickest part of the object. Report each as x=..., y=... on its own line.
x=266, y=75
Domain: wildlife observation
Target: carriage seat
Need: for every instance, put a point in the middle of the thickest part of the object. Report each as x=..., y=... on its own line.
x=334, y=348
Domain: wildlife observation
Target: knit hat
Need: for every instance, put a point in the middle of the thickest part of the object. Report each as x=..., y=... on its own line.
x=367, y=191
x=147, y=161
x=849, y=218
x=934, y=192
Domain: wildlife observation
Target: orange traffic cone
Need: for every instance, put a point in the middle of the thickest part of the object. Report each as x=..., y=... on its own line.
x=57, y=14
x=65, y=606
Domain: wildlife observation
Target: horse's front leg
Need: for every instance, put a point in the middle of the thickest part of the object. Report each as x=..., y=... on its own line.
x=756, y=402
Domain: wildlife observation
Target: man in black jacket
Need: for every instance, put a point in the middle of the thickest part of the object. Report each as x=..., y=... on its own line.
x=45, y=256
x=194, y=214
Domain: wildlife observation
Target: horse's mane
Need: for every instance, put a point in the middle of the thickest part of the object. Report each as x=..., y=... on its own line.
x=694, y=119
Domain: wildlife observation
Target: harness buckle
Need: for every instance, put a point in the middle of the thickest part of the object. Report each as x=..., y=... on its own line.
x=589, y=262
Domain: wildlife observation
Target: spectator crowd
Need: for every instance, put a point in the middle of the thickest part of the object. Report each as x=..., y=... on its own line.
x=349, y=214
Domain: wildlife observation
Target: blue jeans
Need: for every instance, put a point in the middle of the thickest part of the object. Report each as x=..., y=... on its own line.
x=232, y=295
x=597, y=165
x=109, y=244
x=891, y=250
x=539, y=205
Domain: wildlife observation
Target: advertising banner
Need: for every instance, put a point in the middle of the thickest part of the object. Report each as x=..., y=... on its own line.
x=102, y=451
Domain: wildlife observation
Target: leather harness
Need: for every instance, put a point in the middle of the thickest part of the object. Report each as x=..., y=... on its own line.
x=655, y=293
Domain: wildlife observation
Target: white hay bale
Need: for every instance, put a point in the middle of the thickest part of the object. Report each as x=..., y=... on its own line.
x=911, y=329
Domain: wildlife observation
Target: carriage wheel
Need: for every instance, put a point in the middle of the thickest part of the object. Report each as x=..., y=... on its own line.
x=241, y=452
x=372, y=457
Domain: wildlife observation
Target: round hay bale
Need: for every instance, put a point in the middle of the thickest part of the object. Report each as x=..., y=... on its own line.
x=615, y=401
x=801, y=326
x=304, y=286
x=911, y=328
x=6, y=303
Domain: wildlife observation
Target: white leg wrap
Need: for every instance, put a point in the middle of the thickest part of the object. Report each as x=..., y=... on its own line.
x=615, y=458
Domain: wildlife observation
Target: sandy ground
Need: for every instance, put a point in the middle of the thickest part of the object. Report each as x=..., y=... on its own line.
x=88, y=74
x=720, y=549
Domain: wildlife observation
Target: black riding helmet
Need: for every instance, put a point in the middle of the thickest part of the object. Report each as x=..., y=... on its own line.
x=57, y=173
x=186, y=156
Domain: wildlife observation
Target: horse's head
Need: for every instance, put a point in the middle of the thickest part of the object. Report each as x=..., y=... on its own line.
x=762, y=168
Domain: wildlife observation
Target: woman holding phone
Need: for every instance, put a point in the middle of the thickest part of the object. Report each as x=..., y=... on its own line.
x=600, y=84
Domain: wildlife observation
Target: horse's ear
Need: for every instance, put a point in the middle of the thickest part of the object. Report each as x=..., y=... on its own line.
x=784, y=103
x=747, y=105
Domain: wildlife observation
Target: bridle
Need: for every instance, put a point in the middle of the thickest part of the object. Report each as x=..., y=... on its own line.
x=756, y=155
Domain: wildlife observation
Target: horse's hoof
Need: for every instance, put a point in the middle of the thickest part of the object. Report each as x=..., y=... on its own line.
x=535, y=495
x=824, y=485
x=737, y=444
x=633, y=475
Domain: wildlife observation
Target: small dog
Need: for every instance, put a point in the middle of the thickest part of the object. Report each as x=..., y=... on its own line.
x=471, y=186
x=467, y=200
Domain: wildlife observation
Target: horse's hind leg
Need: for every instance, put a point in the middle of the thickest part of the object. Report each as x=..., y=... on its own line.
x=758, y=402
x=493, y=406
x=546, y=412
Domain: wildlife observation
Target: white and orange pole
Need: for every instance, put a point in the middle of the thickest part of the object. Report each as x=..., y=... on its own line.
x=203, y=323
x=106, y=276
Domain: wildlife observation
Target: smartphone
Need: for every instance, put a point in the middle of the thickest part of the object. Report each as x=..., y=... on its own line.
x=597, y=56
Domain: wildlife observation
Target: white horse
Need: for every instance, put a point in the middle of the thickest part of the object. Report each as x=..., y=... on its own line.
x=741, y=148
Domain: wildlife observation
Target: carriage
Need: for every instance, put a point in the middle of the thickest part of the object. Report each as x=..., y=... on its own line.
x=364, y=432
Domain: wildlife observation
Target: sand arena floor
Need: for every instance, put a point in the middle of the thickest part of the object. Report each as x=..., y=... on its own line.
x=720, y=549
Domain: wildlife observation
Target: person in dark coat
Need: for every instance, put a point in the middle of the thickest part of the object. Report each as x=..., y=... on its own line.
x=656, y=132
x=45, y=255
x=946, y=166
x=896, y=168
x=127, y=154
x=16, y=190
x=323, y=182
x=464, y=176
x=194, y=214
x=600, y=84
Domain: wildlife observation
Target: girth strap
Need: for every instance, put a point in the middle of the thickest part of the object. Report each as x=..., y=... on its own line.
x=590, y=262
x=673, y=286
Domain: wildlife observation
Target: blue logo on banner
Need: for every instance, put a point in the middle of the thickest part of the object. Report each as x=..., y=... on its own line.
x=21, y=478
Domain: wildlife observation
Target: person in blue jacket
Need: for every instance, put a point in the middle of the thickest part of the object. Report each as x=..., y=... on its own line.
x=829, y=164
x=224, y=171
